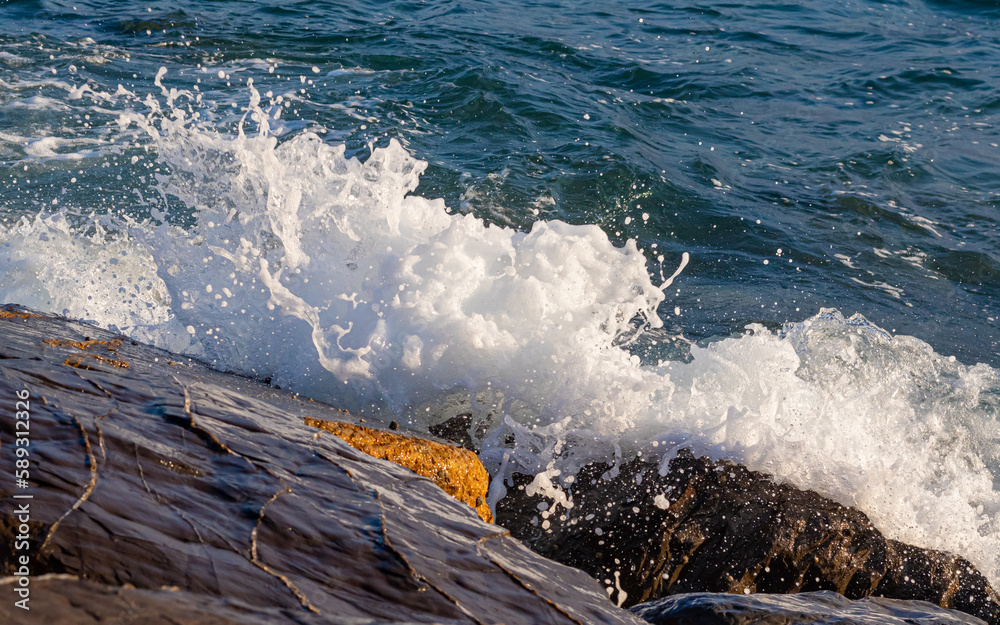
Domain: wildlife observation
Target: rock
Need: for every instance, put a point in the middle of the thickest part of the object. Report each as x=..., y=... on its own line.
x=165, y=492
x=823, y=607
x=91, y=350
x=458, y=472
x=59, y=599
x=718, y=527
x=13, y=312
x=456, y=430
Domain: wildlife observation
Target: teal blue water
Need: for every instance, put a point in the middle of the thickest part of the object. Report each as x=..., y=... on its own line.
x=858, y=138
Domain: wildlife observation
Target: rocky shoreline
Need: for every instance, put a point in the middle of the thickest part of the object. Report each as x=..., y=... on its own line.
x=718, y=527
x=163, y=491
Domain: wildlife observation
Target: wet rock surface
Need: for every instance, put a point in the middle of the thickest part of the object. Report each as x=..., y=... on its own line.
x=718, y=527
x=167, y=492
x=810, y=608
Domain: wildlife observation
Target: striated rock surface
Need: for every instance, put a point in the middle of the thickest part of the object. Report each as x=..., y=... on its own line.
x=458, y=472
x=164, y=492
x=809, y=608
x=718, y=527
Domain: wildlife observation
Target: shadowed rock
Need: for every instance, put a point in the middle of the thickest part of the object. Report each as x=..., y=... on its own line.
x=718, y=527
x=458, y=472
x=169, y=493
x=810, y=608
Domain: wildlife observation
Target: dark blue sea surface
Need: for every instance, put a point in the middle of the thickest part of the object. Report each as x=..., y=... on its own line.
x=858, y=138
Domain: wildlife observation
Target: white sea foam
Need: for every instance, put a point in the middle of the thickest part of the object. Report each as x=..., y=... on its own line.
x=12, y=60
x=331, y=277
x=56, y=148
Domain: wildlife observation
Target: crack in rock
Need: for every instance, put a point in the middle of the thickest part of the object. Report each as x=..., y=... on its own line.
x=40, y=578
x=517, y=580
x=92, y=463
x=256, y=561
x=416, y=574
x=525, y=585
x=202, y=433
x=180, y=513
x=97, y=420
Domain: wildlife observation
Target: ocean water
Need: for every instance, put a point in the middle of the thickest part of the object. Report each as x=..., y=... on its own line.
x=767, y=233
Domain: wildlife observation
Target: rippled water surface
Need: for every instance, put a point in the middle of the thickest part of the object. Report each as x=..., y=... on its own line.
x=857, y=138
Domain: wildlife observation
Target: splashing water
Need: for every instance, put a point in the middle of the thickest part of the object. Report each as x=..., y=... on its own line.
x=291, y=261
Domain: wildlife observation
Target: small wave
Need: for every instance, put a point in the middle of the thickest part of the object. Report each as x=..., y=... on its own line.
x=290, y=260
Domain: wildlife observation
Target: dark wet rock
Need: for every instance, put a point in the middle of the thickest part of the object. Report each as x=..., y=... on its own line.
x=70, y=600
x=456, y=429
x=463, y=430
x=811, y=608
x=166, y=492
x=710, y=526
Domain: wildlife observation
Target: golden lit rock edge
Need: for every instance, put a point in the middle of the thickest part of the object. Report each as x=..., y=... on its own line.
x=457, y=471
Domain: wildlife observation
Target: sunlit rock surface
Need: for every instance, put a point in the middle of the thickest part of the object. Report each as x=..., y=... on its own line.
x=166, y=492
x=458, y=472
